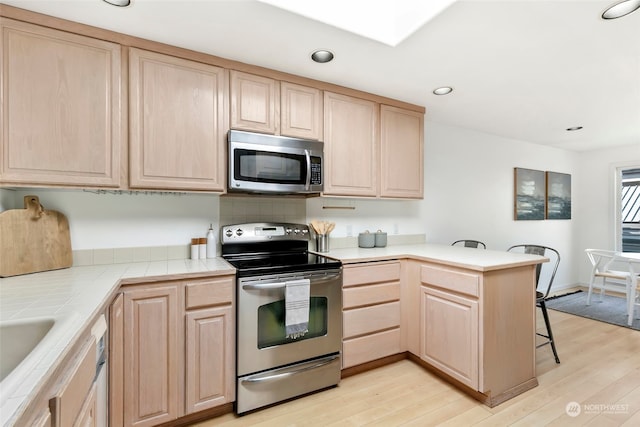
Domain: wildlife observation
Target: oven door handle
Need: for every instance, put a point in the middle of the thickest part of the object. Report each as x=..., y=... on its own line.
x=281, y=285
x=287, y=372
x=264, y=286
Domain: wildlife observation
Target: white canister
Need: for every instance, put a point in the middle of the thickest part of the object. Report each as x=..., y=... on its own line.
x=202, y=247
x=366, y=240
x=195, y=248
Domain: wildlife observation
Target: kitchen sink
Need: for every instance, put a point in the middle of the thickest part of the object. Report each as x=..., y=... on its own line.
x=23, y=344
x=18, y=339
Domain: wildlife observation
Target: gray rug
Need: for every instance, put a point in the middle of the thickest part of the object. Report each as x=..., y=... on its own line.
x=610, y=310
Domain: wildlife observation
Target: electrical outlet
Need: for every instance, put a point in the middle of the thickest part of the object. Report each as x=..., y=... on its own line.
x=395, y=228
x=349, y=230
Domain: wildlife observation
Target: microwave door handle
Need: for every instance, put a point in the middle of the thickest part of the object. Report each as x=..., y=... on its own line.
x=307, y=184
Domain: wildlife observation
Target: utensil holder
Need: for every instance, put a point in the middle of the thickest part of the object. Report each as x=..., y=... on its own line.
x=322, y=242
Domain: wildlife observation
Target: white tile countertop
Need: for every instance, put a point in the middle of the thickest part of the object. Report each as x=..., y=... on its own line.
x=73, y=297
x=457, y=256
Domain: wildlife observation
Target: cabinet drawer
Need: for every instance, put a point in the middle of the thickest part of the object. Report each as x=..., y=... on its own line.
x=209, y=292
x=464, y=283
x=365, y=320
x=69, y=400
x=364, y=349
x=371, y=273
x=367, y=295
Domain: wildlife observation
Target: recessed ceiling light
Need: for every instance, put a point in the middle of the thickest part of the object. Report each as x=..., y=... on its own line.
x=621, y=9
x=119, y=3
x=571, y=129
x=444, y=90
x=322, y=55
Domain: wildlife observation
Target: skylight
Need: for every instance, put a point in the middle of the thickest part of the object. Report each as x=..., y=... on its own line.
x=386, y=21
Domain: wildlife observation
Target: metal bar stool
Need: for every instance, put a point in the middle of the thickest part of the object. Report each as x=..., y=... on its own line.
x=540, y=296
x=470, y=244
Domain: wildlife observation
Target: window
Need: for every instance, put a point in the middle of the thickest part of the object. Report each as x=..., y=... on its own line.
x=630, y=209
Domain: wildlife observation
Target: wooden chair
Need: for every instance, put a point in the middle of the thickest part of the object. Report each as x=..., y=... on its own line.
x=470, y=244
x=614, y=265
x=545, y=285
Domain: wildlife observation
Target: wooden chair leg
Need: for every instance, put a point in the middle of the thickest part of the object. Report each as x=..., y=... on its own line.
x=591, y=283
x=631, y=300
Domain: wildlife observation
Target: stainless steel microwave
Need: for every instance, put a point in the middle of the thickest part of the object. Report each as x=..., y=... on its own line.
x=260, y=163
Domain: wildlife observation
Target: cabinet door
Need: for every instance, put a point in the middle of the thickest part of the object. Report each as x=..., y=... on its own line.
x=449, y=334
x=178, y=123
x=301, y=114
x=87, y=416
x=351, y=146
x=61, y=113
x=76, y=385
x=255, y=103
x=210, y=361
x=401, y=153
x=151, y=347
x=43, y=420
x=116, y=362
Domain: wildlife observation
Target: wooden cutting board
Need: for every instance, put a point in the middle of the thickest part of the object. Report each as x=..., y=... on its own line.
x=33, y=239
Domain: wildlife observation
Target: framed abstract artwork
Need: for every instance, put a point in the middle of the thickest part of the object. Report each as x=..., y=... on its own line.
x=529, y=197
x=558, y=204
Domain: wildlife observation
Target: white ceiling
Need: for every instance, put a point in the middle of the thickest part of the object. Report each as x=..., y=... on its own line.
x=525, y=69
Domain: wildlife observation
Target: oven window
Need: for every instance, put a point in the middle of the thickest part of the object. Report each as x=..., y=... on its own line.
x=271, y=318
x=268, y=167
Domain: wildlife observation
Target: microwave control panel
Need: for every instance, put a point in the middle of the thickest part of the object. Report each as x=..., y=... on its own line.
x=316, y=171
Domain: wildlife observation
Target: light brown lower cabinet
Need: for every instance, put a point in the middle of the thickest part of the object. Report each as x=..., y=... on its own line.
x=207, y=382
x=175, y=353
x=43, y=419
x=449, y=338
x=76, y=392
x=371, y=312
x=87, y=416
x=478, y=327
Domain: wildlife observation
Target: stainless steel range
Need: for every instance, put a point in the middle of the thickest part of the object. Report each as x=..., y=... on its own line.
x=289, y=313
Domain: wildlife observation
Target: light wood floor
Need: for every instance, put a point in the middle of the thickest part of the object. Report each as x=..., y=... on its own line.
x=600, y=370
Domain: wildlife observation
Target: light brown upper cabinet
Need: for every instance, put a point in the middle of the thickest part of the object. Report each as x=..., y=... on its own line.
x=401, y=153
x=61, y=108
x=350, y=146
x=178, y=123
x=255, y=103
x=266, y=105
x=372, y=150
x=301, y=114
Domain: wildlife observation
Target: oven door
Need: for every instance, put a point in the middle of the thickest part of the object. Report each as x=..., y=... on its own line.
x=262, y=341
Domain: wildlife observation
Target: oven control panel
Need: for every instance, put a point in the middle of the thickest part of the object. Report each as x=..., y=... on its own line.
x=261, y=231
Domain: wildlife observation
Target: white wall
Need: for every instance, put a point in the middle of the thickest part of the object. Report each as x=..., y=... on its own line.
x=595, y=198
x=470, y=192
x=99, y=221
x=104, y=221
